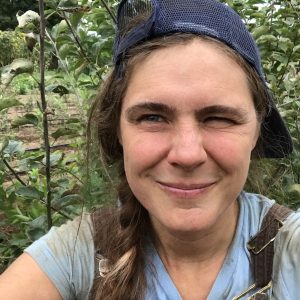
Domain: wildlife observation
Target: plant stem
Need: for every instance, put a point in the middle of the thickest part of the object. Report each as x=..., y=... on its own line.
x=13, y=171
x=109, y=11
x=71, y=173
x=24, y=184
x=82, y=51
x=45, y=114
x=64, y=67
x=59, y=212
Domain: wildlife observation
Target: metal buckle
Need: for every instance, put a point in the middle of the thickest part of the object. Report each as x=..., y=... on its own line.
x=249, y=289
x=252, y=248
x=244, y=293
x=261, y=292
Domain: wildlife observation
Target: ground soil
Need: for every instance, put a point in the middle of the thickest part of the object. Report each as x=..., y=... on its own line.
x=30, y=135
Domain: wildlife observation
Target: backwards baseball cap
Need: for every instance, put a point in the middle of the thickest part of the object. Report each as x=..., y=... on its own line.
x=140, y=20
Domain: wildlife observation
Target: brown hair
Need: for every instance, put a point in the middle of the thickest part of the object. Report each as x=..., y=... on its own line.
x=121, y=232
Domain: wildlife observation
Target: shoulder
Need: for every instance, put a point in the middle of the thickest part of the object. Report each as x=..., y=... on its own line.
x=286, y=267
x=71, y=235
x=253, y=208
x=256, y=202
x=64, y=254
x=288, y=238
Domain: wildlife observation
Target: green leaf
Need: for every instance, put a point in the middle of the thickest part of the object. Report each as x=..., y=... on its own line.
x=75, y=19
x=285, y=44
x=25, y=120
x=81, y=68
x=9, y=102
x=73, y=120
x=67, y=50
x=58, y=89
x=37, y=228
x=62, y=27
x=296, y=48
x=67, y=201
x=54, y=158
x=267, y=38
x=259, y=31
x=68, y=3
x=35, y=233
x=3, y=145
x=14, y=147
x=29, y=192
x=63, y=39
x=64, y=132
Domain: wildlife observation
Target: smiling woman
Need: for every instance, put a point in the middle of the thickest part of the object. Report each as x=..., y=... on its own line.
x=184, y=110
x=202, y=150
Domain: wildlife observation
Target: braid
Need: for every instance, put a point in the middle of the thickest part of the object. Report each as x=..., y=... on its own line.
x=120, y=231
x=119, y=238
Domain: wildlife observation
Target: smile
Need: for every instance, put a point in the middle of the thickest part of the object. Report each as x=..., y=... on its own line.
x=185, y=190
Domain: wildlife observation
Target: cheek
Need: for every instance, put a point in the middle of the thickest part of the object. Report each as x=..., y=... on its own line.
x=143, y=150
x=231, y=152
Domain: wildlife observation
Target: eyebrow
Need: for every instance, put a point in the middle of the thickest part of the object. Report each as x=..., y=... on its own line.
x=157, y=107
x=150, y=106
x=237, y=112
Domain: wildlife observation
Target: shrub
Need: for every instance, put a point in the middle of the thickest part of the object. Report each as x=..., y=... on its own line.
x=12, y=45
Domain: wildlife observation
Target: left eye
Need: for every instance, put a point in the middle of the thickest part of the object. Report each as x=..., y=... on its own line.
x=219, y=121
x=151, y=118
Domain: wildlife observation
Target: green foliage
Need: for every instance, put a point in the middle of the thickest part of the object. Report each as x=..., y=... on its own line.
x=12, y=45
x=82, y=39
x=23, y=85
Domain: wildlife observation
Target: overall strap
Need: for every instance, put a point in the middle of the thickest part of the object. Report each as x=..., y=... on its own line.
x=261, y=246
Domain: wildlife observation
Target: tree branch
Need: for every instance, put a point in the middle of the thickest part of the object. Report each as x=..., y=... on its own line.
x=13, y=171
x=45, y=115
x=24, y=184
x=109, y=11
x=82, y=51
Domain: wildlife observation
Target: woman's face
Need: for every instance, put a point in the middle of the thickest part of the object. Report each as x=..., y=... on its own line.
x=188, y=126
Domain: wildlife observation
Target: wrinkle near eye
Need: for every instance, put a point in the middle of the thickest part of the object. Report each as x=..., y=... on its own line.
x=237, y=115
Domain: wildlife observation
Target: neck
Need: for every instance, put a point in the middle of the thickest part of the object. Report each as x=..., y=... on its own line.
x=197, y=247
x=189, y=256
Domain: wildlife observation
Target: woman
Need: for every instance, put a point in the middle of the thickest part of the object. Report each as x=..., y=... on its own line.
x=183, y=111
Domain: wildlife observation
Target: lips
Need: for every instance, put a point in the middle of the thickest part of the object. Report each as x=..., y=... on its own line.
x=183, y=190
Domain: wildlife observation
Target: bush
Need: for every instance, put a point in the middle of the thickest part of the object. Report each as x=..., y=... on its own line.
x=12, y=45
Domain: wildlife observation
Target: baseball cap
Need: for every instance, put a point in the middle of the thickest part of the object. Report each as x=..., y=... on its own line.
x=140, y=20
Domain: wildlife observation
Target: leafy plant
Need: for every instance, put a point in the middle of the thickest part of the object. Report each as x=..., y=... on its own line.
x=81, y=41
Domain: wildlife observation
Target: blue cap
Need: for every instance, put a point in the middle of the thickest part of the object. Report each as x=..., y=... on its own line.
x=140, y=20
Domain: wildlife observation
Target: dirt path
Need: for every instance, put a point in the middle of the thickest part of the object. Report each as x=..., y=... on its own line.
x=61, y=110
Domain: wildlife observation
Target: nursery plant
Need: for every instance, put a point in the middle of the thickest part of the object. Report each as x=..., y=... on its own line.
x=61, y=176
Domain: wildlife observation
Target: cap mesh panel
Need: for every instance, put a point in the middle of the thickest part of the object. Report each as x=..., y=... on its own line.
x=133, y=14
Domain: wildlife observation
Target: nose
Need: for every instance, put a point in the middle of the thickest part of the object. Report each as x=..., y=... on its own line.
x=187, y=150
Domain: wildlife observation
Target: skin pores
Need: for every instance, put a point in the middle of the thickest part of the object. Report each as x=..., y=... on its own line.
x=188, y=126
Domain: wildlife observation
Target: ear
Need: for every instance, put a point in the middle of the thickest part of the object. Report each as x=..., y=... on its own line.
x=257, y=134
x=119, y=136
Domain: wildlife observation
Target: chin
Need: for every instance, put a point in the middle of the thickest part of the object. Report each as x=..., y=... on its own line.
x=191, y=223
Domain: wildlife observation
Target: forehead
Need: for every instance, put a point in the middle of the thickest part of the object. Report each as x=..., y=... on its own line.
x=199, y=71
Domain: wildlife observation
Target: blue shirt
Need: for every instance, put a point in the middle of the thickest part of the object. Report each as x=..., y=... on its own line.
x=66, y=255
